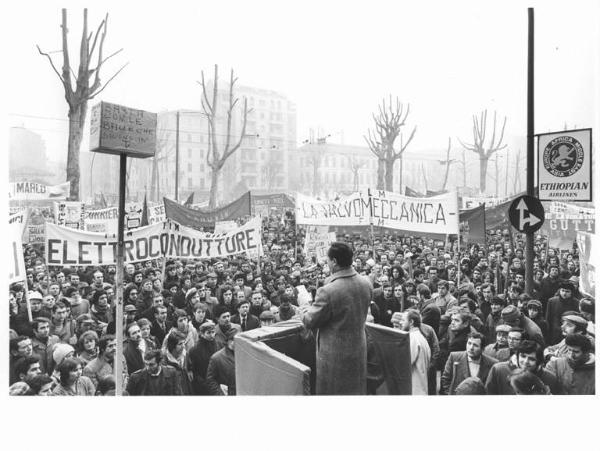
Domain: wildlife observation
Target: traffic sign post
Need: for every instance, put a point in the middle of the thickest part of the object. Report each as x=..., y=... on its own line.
x=526, y=214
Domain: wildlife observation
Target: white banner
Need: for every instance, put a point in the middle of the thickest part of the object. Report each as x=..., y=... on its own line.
x=468, y=203
x=317, y=241
x=106, y=220
x=565, y=165
x=588, y=247
x=383, y=209
x=70, y=214
x=37, y=191
x=16, y=262
x=19, y=219
x=224, y=226
x=72, y=247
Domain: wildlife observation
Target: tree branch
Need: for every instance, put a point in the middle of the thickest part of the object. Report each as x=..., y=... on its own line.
x=94, y=94
x=51, y=64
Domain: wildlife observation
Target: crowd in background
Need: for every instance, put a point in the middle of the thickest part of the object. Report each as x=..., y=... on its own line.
x=482, y=333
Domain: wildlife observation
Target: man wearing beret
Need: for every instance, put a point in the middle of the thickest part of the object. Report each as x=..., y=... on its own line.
x=492, y=349
x=555, y=309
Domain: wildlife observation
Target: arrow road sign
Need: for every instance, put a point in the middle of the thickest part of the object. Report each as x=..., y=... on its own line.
x=526, y=214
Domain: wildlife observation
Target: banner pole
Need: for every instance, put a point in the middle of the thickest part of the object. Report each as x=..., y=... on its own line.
x=29, y=314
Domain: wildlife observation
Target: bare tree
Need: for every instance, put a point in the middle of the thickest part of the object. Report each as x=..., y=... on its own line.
x=271, y=170
x=381, y=140
x=218, y=153
x=315, y=159
x=479, y=147
x=355, y=166
x=424, y=174
x=87, y=86
x=517, y=178
x=165, y=151
x=448, y=162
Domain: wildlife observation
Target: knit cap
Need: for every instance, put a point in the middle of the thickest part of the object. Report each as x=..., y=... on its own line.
x=61, y=350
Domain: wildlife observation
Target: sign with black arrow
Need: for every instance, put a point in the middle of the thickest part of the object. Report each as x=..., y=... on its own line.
x=526, y=214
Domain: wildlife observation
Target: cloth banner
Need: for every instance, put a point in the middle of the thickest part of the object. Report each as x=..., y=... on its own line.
x=262, y=203
x=317, y=241
x=206, y=218
x=106, y=220
x=73, y=247
x=16, y=262
x=20, y=219
x=562, y=233
x=38, y=191
x=472, y=225
x=70, y=214
x=588, y=247
x=225, y=226
x=412, y=193
x=388, y=359
x=35, y=232
x=384, y=209
x=562, y=210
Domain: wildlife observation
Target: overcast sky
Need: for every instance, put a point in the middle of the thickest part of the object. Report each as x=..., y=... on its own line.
x=335, y=60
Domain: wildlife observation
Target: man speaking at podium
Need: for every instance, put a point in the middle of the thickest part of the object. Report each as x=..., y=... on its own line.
x=338, y=314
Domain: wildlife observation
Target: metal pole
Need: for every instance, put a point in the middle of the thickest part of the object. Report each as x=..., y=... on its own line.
x=530, y=148
x=506, y=178
x=119, y=276
x=177, y=158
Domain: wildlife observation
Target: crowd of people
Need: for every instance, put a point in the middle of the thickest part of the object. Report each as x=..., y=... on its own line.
x=473, y=329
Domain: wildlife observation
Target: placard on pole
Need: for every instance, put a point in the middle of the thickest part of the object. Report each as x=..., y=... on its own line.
x=123, y=131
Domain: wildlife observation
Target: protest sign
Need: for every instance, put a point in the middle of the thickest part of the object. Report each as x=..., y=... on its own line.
x=19, y=219
x=563, y=232
x=104, y=220
x=588, y=247
x=382, y=209
x=206, y=218
x=70, y=214
x=38, y=191
x=263, y=203
x=317, y=242
x=72, y=247
x=117, y=129
x=16, y=262
x=472, y=224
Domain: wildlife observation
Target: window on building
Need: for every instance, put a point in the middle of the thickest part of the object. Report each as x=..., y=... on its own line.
x=189, y=167
x=201, y=183
x=189, y=153
x=189, y=137
x=201, y=167
x=189, y=183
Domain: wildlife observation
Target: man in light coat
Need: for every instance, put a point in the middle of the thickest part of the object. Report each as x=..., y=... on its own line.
x=338, y=314
x=420, y=353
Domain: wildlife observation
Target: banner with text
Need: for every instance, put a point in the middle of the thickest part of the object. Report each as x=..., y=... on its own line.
x=66, y=246
x=383, y=209
x=16, y=261
x=563, y=232
x=317, y=241
x=206, y=218
x=70, y=214
x=588, y=247
x=38, y=191
x=263, y=203
x=20, y=219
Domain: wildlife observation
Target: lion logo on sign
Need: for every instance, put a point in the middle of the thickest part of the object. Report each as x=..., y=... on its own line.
x=563, y=156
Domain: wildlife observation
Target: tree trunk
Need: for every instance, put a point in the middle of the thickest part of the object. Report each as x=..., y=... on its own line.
x=483, y=162
x=401, y=175
x=356, y=179
x=214, y=180
x=76, y=123
x=389, y=174
x=380, y=174
x=446, y=175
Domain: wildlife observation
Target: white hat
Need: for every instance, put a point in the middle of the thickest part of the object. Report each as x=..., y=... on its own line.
x=33, y=294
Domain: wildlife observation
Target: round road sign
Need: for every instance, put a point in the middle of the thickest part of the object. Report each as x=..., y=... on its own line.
x=526, y=214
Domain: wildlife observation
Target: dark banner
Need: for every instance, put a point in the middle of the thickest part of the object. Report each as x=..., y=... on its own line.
x=472, y=225
x=206, y=218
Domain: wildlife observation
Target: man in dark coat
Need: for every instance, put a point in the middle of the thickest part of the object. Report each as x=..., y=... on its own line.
x=430, y=312
x=154, y=379
x=160, y=326
x=200, y=355
x=339, y=314
x=244, y=318
x=555, y=309
x=464, y=364
x=221, y=368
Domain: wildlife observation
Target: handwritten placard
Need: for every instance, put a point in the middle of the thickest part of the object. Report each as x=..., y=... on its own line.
x=118, y=129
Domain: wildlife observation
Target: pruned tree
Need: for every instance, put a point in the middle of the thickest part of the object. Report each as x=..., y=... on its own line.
x=271, y=170
x=87, y=84
x=479, y=146
x=356, y=164
x=165, y=150
x=517, y=177
x=381, y=140
x=218, y=153
x=424, y=175
x=448, y=162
